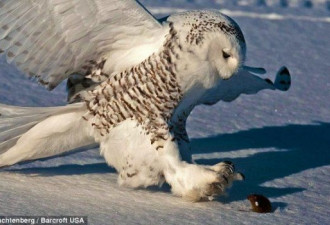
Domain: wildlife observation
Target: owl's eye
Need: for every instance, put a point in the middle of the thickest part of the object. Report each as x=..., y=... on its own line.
x=225, y=54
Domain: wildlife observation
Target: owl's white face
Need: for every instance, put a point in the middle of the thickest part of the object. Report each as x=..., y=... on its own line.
x=225, y=55
x=214, y=38
x=212, y=48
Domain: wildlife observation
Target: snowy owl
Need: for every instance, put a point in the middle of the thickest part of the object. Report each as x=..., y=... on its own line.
x=132, y=81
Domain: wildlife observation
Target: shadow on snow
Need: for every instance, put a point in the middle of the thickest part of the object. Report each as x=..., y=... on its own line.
x=303, y=147
x=67, y=170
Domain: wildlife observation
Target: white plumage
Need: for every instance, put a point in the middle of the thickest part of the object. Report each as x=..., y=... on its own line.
x=134, y=80
x=52, y=39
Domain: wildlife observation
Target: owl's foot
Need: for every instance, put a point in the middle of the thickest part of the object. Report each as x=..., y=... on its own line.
x=226, y=175
x=195, y=183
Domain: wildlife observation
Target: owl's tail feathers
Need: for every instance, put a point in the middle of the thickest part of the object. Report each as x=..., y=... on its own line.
x=34, y=133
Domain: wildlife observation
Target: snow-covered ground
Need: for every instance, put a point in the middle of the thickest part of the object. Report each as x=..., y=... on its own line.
x=280, y=141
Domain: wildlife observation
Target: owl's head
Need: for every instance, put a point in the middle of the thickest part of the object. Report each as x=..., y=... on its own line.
x=212, y=37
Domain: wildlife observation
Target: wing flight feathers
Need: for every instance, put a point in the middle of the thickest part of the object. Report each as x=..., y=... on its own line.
x=50, y=40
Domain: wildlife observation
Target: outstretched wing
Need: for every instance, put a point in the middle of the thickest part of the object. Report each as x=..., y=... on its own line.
x=50, y=40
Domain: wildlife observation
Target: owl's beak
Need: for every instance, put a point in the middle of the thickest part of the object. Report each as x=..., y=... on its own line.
x=255, y=70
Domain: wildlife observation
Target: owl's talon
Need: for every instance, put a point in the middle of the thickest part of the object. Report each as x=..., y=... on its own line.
x=225, y=178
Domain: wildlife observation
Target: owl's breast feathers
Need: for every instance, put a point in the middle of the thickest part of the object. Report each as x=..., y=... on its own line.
x=148, y=93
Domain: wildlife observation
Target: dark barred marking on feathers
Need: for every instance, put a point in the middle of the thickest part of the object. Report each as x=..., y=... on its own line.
x=93, y=70
x=148, y=93
x=206, y=24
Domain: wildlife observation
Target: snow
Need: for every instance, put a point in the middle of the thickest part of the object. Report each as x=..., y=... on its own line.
x=279, y=140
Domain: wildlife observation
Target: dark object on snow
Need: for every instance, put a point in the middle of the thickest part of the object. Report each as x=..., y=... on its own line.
x=283, y=79
x=260, y=203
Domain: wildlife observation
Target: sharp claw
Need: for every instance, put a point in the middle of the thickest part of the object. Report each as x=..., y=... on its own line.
x=225, y=178
x=231, y=167
x=225, y=167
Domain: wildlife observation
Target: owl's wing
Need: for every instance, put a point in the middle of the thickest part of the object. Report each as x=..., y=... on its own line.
x=49, y=40
x=246, y=83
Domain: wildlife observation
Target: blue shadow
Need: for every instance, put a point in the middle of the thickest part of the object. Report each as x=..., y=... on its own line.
x=67, y=170
x=303, y=147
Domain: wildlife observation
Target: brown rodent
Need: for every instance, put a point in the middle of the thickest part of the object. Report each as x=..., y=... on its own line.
x=260, y=203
